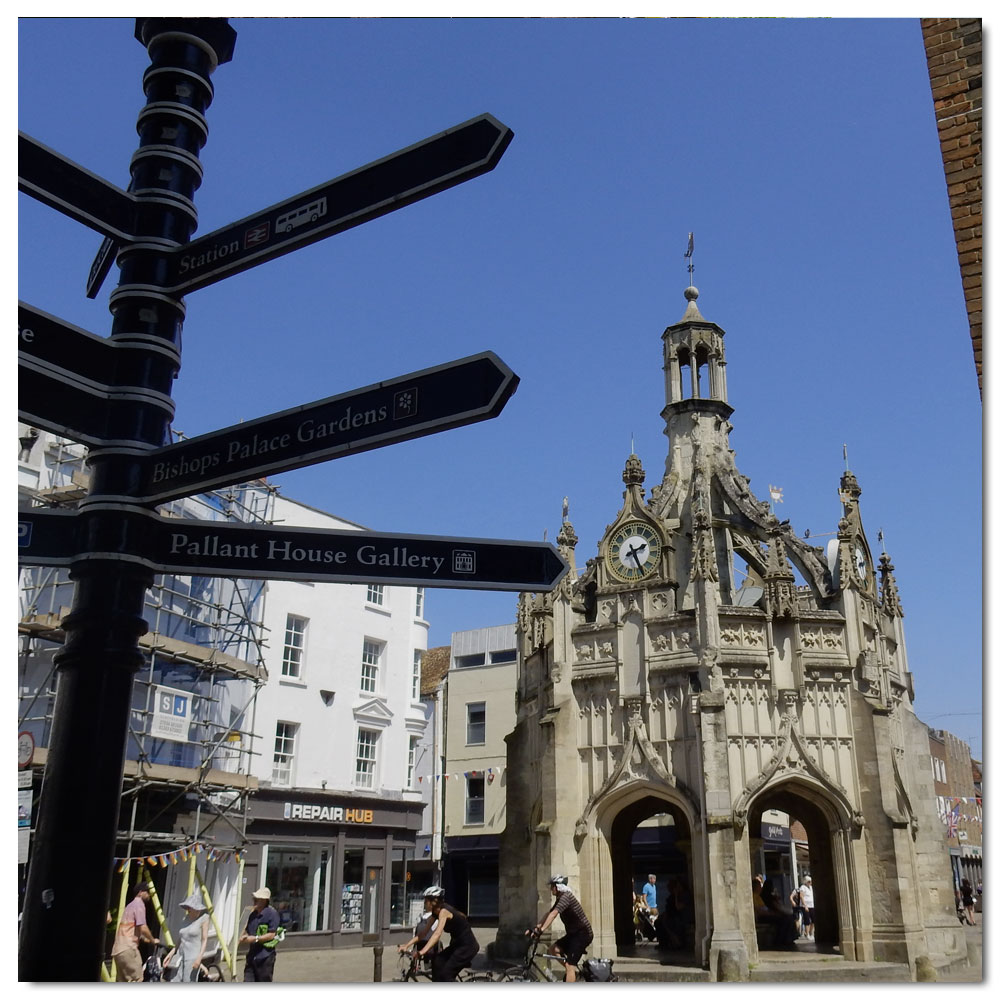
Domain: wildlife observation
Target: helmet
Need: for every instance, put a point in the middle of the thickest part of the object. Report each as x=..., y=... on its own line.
x=433, y=892
x=558, y=880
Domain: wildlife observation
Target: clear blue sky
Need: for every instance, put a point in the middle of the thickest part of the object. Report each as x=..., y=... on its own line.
x=802, y=153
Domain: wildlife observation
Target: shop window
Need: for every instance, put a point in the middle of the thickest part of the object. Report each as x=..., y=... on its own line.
x=475, y=801
x=484, y=895
x=297, y=878
x=398, y=913
x=351, y=895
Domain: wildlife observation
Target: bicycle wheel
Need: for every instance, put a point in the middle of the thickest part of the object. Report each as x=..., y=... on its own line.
x=520, y=975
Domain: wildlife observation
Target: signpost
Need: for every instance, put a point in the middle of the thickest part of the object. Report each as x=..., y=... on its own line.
x=425, y=168
x=399, y=409
x=114, y=395
x=217, y=548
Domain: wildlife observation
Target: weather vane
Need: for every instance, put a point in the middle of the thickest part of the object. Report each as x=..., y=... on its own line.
x=689, y=257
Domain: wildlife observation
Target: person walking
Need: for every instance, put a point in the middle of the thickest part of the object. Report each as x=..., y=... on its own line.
x=578, y=934
x=132, y=928
x=262, y=934
x=649, y=894
x=806, y=901
x=463, y=947
x=969, y=902
x=186, y=957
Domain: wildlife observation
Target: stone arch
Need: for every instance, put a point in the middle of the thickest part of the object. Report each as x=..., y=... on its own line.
x=614, y=821
x=831, y=828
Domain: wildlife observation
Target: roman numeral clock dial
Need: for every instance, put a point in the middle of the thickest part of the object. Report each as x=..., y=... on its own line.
x=633, y=551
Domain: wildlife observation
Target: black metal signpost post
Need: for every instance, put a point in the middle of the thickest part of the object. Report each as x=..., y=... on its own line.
x=114, y=396
x=66, y=898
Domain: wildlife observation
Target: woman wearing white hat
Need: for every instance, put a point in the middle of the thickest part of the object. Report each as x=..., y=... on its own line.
x=185, y=959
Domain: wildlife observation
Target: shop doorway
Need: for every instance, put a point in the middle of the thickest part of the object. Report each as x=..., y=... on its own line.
x=652, y=836
x=371, y=907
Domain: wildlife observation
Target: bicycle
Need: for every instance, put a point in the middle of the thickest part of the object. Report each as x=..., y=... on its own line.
x=592, y=970
x=414, y=967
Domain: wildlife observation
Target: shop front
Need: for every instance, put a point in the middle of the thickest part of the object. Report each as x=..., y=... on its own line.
x=339, y=867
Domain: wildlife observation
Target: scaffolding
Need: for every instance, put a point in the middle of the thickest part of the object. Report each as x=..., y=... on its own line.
x=181, y=796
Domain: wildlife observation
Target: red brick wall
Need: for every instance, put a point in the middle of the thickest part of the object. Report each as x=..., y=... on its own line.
x=954, y=48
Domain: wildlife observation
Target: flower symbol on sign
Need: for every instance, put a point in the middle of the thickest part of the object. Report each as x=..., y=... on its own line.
x=404, y=403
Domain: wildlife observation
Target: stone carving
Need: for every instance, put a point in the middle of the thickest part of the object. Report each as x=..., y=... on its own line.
x=607, y=649
x=792, y=757
x=660, y=602
x=743, y=635
x=584, y=652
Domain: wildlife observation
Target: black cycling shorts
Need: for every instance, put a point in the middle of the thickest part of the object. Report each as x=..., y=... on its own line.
x=573, y=946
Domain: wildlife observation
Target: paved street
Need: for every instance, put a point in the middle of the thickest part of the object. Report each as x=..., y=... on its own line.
x=357, y=965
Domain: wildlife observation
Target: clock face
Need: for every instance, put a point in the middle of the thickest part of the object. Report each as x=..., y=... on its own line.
x=634, y=551
x=861, y=563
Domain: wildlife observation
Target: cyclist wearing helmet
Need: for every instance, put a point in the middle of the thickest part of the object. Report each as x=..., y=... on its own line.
x=423, y=929
x=578, y=934
x=463, y=948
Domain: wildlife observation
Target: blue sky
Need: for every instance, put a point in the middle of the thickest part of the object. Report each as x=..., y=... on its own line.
x=802, y=153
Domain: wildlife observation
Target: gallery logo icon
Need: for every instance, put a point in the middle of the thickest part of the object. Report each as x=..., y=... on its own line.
x=463, y=561
x=404, y=403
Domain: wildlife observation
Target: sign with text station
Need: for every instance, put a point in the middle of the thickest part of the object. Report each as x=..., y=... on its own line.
x=61, y=184
x=424, y=402
x=419, y=171
x=261, y=552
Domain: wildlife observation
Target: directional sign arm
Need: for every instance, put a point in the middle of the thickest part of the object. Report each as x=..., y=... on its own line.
x=69, y=188
x=332, y=556
x=265, y=552
x=400, y=409
x=419, y=171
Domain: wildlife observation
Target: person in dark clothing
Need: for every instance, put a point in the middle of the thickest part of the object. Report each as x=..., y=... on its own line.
x=262, y=934
x=463, y=947
x=969, y=902
x=767, y=910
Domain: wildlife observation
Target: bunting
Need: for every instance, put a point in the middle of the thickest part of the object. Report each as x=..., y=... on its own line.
x=182, y=854
x=489, y=773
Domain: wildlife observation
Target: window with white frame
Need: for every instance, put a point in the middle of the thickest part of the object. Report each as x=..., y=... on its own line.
x=376, y=594
x=371, y=656
x=475, y=800
x=295, y=646
x=418, y=656
x=419, y=611
x=411, y=761
x=285, y=735
x=366, y=760
x=475, y=728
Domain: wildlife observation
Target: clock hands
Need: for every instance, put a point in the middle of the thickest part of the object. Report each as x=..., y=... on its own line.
x=634, y=553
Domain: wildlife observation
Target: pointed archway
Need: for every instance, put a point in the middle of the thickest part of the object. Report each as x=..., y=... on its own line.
x=825, y=862
x=652, y=835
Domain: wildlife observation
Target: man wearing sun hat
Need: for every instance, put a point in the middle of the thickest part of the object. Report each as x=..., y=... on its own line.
x=262, y=936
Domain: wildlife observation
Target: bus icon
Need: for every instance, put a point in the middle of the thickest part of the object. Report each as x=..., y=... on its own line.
x=301, y=215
